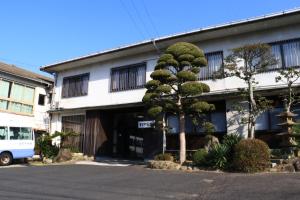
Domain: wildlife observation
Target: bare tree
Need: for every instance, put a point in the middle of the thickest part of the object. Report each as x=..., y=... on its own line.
x=245, y=62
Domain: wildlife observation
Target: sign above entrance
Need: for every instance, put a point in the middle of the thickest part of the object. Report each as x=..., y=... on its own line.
x=146, y=124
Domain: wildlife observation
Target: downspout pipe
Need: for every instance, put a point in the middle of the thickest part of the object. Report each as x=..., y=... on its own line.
x=155, y=46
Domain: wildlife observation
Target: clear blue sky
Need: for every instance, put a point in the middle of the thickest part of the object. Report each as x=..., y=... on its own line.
x=40, y=32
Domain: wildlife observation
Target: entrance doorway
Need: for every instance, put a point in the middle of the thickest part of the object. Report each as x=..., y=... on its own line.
x=128, y=139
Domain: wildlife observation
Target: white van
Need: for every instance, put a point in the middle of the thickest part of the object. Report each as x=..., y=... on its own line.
x=15, y=143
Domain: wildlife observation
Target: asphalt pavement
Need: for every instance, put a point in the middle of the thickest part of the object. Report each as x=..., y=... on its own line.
x=89, y=182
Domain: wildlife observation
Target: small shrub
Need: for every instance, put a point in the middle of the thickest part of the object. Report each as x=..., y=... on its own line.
x=199, y=157
x=251, y=155
x=231, y=140
x=45, y=146
x=164, y=157
x=218, y=156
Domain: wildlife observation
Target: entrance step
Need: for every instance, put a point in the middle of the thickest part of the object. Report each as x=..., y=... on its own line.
x=110, y=160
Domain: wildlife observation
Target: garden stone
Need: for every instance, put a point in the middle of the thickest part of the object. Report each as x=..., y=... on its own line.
x=63, y=155
x=297, y=164
x=183, y=168
x=288, y=168
x=159, y=164
x=210, y=141
x=47, y=160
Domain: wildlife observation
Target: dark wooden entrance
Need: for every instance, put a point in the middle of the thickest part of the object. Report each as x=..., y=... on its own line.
x=74, y=123
x=129, y=139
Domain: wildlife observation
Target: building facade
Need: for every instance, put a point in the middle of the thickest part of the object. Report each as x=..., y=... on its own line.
x=100, y=95
x=24, y=98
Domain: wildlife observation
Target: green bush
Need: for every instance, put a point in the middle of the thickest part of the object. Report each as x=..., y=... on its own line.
x=251, y=155
x=218, y=156
x=164, y=157
x=230, y=141
x=45, y=147
x=200, y=157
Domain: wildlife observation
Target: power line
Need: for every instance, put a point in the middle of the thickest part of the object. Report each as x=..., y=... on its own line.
x=132, y=19
x=150, y=18
x=139, y=16
x=17, y=62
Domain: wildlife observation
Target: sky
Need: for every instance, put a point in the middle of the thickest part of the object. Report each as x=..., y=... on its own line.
x=34, y=33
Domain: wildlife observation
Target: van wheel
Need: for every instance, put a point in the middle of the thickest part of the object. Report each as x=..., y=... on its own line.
x=5, y=159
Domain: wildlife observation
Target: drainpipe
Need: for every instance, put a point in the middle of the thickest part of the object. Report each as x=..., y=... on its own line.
x=155, y=46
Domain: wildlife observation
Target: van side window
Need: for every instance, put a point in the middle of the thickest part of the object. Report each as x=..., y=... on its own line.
x=17, y=133
x=3, y=133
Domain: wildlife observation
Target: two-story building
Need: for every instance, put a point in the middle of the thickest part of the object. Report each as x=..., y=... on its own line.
x=24, y=98
x=100, y=95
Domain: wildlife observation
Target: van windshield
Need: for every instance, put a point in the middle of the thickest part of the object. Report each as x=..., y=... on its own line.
x=20, y=133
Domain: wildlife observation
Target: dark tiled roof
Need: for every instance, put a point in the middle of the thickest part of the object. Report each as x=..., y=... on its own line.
x=12, y=69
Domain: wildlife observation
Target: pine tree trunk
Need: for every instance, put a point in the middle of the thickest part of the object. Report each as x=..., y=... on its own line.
x=182, y=154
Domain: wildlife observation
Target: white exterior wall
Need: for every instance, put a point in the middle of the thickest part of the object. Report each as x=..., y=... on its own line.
x=99, y=84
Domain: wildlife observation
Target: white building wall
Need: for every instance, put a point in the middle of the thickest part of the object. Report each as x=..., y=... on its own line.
x=99, y=85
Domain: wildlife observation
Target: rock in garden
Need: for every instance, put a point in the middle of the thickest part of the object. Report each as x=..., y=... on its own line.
x=289, y=168
x=297, y=164
x=63, y=155
x=159, y=164
x=210, y=141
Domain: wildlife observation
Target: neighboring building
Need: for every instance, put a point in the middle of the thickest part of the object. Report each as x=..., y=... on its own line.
x=24, y=98
x=100, y=95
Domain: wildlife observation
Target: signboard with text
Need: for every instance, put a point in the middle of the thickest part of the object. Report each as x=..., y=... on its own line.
x=146, y=124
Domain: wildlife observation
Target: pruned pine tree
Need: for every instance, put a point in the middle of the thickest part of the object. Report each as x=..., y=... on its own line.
x=245, y=62
x=174, y=86
x=289, y=77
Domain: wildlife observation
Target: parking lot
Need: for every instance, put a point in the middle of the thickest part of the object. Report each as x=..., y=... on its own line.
x=136, y=182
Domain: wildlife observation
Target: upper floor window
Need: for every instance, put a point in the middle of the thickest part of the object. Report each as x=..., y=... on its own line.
x=16, y=97
x=287, y=54
x=42, y=98
x=75, y=86
x=128, y=78
x=214, y=64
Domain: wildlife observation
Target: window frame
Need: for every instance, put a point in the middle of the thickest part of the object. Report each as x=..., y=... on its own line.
x=72, y=77
x=128, y=67
x=43, y=101
x=211, y=76
x=11, y=100
x=283, y=64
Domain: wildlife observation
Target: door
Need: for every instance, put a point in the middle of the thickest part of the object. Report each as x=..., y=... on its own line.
x=129, y=138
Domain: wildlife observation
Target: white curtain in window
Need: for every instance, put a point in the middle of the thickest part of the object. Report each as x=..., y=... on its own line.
x=173, y=124
x=275, y=49
x=15, y=107
x=3, y=104
x=291, y=52
x=214, y=63
x=141, y=78
x=115, y=80
x=4, y=88
x=17, y=92
x=26, y=109
x=28, y=95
